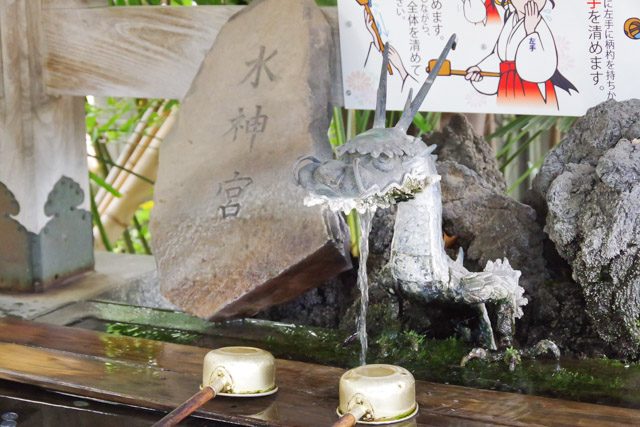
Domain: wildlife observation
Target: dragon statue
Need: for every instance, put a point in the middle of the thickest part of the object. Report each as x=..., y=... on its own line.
x=385, y=166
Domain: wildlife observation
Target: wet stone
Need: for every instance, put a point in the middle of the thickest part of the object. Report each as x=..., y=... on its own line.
x=231, y=233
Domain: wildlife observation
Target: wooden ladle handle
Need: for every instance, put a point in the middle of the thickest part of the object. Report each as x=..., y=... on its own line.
x=347, y=420
x=351, y=418
x=187, y=408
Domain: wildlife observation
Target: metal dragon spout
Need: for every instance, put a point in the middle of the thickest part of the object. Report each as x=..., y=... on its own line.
x=385, y=166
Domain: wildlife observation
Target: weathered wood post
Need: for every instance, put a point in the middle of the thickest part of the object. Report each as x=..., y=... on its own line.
x=45, y=225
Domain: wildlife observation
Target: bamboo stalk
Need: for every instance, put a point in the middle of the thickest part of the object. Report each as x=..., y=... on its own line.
x=116, y=213
x=147, y=138
x=132, y=143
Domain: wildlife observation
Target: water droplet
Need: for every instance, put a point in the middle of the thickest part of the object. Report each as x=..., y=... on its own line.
x=80, y=403
x=8, y=424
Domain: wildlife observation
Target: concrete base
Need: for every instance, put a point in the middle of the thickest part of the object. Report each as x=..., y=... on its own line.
x=112, y=271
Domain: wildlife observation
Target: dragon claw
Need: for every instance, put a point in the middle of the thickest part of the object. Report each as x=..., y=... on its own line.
x=476, y=353
x=511, y=356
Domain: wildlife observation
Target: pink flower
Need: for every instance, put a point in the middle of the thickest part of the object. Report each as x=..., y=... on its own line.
x=358, y=81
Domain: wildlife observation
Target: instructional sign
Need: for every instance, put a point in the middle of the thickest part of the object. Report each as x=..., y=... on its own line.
x=540, y=57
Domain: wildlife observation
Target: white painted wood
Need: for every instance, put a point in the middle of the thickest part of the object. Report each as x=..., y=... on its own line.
x=41, y=136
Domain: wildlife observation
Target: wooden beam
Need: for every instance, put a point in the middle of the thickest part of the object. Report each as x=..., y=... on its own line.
x=143, y=51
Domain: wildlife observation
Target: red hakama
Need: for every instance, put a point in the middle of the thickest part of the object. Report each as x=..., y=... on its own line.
x=513, y=90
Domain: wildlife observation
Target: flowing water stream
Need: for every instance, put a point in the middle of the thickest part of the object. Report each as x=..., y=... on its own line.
x=363, y=282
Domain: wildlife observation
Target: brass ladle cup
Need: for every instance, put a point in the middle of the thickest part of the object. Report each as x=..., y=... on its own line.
x=376, y=394
x=229, y=371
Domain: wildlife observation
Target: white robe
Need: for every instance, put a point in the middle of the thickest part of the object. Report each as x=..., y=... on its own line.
x=535, y=55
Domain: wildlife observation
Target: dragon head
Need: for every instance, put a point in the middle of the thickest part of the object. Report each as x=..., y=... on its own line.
x=378, y=167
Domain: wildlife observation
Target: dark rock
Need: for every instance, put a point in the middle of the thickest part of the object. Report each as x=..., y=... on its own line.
x=490, y=224
x=591, y=185
x=458, y=142
x=559, y=314
x=323, y=306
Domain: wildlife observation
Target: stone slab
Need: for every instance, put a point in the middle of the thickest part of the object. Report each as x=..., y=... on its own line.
x=231, y=233
x=111, y=271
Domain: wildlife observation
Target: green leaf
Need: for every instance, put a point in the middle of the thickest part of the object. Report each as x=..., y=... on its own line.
x=338, y=126
x=105, y=127
x=512, y=139
x=517, y=123
x=523, y=147
x=362, y=120
x=102, y=183
x=115, y=165
x=98, y=222
x=524, y=176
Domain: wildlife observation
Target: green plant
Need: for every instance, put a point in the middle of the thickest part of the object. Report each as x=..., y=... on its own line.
x=511, y=355
x=521, y=132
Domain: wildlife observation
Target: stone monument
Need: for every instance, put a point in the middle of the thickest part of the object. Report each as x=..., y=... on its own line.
x=231, y=234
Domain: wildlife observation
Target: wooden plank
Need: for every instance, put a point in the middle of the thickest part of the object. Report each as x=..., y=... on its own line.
x=73, y=4
x=143, y=51
x=161, y=375
x=103, y=346
x=150, y=52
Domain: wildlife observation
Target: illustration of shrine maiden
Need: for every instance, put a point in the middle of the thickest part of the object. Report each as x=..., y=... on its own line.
x=526, y=57
x=481, y=12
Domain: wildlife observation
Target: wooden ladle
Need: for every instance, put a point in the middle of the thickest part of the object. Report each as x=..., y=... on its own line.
x=229, y=371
